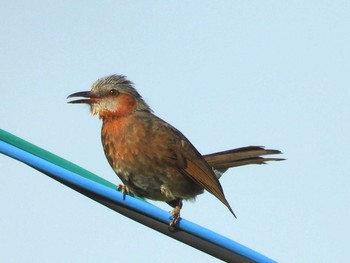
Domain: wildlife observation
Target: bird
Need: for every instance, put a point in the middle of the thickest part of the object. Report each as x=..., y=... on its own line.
x=152, y=158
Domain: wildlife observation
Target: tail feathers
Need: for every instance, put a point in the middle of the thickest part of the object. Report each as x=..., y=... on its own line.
x=221, y=161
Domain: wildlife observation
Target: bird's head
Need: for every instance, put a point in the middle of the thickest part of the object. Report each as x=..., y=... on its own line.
x=112, y=96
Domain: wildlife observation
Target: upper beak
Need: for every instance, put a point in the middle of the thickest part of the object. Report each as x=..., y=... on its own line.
x=85, y=94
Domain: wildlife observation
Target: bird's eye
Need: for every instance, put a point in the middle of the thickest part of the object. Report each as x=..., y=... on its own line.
x=113, y=92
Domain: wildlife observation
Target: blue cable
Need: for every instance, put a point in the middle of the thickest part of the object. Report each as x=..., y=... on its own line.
x=130, y=203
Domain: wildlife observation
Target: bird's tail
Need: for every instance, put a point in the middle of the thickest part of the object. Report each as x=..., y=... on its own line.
x=221, y=161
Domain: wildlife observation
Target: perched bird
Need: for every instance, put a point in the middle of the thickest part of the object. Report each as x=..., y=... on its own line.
x=152, y=158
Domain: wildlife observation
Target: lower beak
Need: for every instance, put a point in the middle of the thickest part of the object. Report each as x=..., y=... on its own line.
x=85, y=94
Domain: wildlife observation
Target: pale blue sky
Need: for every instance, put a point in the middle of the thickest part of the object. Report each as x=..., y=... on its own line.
x=227, y=74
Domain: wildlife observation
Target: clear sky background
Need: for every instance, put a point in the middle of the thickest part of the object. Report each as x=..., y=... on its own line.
x=227, y=74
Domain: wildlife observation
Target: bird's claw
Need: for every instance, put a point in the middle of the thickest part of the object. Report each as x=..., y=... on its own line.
x=124, y=189
x=176, y=216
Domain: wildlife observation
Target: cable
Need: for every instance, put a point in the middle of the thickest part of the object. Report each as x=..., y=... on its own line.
x=134, y=208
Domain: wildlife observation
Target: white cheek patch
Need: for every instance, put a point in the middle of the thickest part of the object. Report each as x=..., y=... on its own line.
x=95, y=108
x=105, y=105
x=109, y=104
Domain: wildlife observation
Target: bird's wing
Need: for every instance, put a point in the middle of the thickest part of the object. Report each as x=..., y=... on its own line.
x=188, y=161
x=198, y=171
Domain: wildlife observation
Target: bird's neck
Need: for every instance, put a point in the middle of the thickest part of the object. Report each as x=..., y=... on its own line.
x=125, y=105
x=113, y=124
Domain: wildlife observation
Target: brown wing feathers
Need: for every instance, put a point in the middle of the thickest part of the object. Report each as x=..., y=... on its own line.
x=199, y=172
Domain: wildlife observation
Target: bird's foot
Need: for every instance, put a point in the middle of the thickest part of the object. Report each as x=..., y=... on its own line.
x=125, y=190
x=176, y=215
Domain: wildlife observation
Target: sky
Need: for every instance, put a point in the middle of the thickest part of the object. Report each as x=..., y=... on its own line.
x=227, y=74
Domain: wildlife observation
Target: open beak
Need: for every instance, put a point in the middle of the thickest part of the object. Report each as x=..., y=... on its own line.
x=90, y=98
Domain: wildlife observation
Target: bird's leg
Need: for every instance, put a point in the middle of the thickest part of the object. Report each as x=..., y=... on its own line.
x=124, y=189
x=176, y=213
